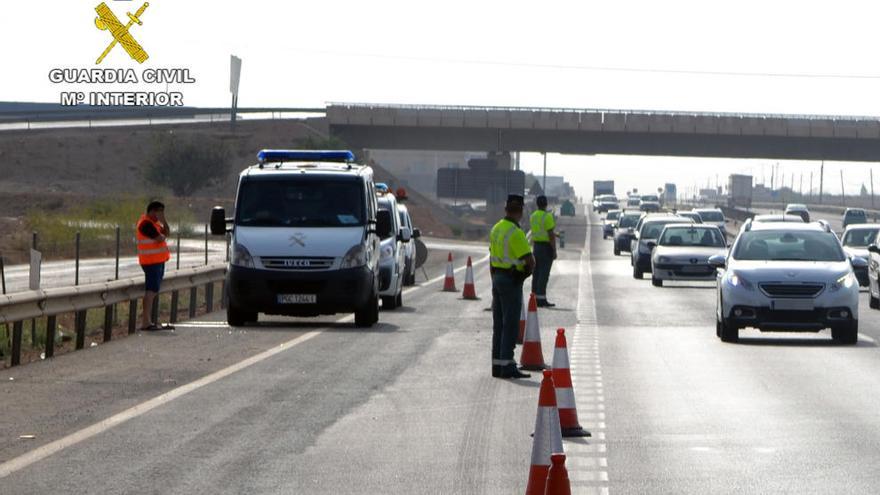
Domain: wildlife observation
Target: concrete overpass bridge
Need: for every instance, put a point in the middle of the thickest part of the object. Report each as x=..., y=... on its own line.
x=585, y=131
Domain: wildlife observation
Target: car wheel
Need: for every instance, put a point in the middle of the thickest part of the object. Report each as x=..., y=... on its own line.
x=873, y=302
x=656, y=282
x=236, y=317
x=389, y=302
x=637, y=274
x=728, y=332
x=846, y=333
x=369, y=314
x=398, y=301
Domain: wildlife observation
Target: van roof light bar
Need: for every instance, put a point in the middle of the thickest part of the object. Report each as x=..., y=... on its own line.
x=337, y=156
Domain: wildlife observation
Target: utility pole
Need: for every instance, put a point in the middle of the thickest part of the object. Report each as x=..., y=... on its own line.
x=811, y=185
x=821, y=180
x=544, y=183
x=872, y=186
x=842, y=192
x=801, y=186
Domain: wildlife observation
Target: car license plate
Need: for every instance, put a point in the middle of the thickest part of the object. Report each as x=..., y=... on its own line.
x=792, y=304
x=297, y=298
x=694, y=269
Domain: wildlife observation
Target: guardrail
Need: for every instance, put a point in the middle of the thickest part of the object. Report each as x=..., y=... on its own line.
x=50, y=303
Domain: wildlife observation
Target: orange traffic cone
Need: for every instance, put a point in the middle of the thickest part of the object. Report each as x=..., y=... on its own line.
x=568, y=416
x=532, y=356
x=449, y=282
x=469, y=291
x=557, y=478
x=522, y=324
x=547, y=437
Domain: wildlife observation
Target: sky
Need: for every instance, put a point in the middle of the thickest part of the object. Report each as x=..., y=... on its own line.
x=795, y=57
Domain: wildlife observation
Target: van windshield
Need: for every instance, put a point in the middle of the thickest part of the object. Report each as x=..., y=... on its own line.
x=300, y=203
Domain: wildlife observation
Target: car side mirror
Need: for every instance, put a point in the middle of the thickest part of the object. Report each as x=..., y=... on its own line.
x=404, y=235
x=874, y=249
x=858, y=262
x=416, y=233
x=218, y=221
x=651, y=244
x=718, y=261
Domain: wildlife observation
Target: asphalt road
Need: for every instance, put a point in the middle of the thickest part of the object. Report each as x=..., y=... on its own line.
x=409, y=406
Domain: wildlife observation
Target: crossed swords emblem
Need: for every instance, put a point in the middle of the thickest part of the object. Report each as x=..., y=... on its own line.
x=107, y=21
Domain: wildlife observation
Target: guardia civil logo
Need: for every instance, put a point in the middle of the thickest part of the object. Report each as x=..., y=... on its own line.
x=107, y=21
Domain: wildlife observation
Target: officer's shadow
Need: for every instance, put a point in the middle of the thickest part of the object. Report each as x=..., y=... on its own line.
x=557, y=308
x=527, y=382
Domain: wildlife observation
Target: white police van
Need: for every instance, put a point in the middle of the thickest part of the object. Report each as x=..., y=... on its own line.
x=304, y=238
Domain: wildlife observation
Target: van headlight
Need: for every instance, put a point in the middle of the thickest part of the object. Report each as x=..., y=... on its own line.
x=846, y=281
x=387, y=252
x=241, y=256
x=355, y=257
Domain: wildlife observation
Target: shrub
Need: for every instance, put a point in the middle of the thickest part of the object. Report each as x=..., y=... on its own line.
x=185, y=165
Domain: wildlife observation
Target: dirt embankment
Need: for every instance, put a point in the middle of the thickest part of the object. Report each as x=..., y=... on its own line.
x=60, y=169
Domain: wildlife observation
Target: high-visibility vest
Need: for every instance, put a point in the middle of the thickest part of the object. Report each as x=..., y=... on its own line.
x=538, y=223
x=151, y=251
x=499, y=246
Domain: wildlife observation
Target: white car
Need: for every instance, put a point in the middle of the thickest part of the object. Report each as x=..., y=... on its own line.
x=856, y=239
x=712, y=216
x=392, y=260
x=646, y=234
x=786, y=276
x=409, y=248
x=799, y=210
x=683, y=250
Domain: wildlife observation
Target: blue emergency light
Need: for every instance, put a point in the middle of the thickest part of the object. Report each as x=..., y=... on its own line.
x=267, y=156
x=381, y=187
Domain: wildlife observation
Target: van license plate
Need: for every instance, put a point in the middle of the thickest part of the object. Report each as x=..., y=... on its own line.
x=793, y=304
x=297, y=298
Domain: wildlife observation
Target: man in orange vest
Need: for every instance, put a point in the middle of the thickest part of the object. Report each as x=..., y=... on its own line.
x=152, y=231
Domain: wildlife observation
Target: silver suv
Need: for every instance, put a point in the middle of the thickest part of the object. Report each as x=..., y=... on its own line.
x=787, y=277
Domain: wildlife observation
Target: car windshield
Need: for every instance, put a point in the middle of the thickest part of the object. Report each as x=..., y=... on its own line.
x=300, y=203
x=693, y=216
x=859, y=237
x=692, y=236
x=627, y=221
x=788, y=245
x=650, y=198
x=855, y=214
x=711, y=216
x=651, y=230
x=633, y=202
x=612, y=215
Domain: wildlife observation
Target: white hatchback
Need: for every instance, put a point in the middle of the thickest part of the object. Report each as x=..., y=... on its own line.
x=787, y=277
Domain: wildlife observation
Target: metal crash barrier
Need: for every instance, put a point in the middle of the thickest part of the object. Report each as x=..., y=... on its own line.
x=16, y=308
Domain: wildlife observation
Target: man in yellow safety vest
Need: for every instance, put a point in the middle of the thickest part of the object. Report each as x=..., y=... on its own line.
x=511, y=263
x=542, y=224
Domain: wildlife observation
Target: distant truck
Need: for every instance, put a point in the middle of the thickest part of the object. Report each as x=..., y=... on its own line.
x=669, y=193
x=601, y=187
x=739, y=191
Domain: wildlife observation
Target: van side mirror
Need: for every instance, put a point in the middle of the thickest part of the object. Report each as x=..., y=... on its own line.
x=404, y=235
x=218, y=221
x=651, y=244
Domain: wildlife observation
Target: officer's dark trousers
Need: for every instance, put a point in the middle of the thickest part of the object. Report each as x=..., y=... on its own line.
x=506, y=307
x=543, y=252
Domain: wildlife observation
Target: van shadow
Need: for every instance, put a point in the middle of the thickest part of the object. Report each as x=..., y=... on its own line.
x=704, y=287
x=332, y=327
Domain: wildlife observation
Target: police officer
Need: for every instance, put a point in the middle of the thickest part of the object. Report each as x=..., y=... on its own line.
x=511, y=263
x=542, y=224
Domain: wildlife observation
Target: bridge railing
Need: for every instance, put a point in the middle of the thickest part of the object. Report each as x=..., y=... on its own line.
x=17, y=308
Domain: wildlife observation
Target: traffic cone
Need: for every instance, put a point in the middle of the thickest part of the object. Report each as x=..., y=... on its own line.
x=568, y=417
x=469, y=291
x=532, y=356
x=449, y=282
x=522, y=324
x=547, y=437
x=557, y=478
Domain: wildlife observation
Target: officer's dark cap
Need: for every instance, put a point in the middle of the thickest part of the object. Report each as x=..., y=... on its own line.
x=515, y=201
x=541, y=201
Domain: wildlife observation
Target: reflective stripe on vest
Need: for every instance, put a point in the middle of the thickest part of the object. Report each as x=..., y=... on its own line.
x=151, y=251
x=503, y=245
x=539, y=233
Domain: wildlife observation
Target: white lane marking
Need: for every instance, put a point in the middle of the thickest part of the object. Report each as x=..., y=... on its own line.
x=866, y=338
x=441, y=277
x=40, y=453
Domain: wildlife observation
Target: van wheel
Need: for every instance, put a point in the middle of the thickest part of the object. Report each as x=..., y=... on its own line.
x=846, y=333
x=236, y=317
x=398, y=301
x=637, y=274
x=616, y=250
x=873, y=302
x=656, y=282
x=369, y=314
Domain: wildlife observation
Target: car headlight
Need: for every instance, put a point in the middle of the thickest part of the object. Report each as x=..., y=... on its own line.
x=846, y=281
x=387, y=252
x=241, y=256
x=738, y=281
x=355, y=257
x=663, y=259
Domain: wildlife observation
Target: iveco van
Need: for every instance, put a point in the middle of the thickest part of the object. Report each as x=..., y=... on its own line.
x=304, y=238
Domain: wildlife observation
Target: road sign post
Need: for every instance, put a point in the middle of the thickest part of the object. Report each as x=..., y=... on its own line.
x=234, y=78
